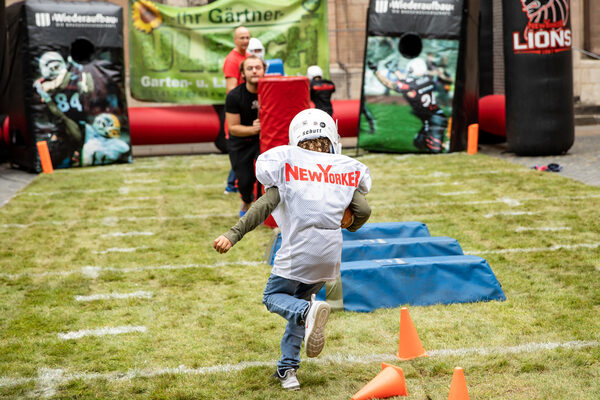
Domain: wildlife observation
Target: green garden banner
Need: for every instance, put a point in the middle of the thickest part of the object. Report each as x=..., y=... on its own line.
x=177, y=53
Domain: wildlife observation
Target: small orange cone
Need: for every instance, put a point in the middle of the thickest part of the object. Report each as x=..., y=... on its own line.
x=45, y=159
x=410, y=345
x=458, y=387
x=389, y=382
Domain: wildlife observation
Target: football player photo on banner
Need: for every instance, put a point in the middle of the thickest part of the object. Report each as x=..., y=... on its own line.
x=68, y=84
x=411, y=59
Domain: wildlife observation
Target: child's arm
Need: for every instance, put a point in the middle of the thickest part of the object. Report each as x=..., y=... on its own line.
x=361, y=210
x=258, y=212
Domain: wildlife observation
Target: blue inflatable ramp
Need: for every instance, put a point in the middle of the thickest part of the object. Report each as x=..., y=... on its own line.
x=382, y=230
x=371, y=284
x=373, y=249
x=379, y=230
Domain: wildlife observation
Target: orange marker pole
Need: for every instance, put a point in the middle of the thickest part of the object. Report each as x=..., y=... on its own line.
x=45, y=157
x=473, y=139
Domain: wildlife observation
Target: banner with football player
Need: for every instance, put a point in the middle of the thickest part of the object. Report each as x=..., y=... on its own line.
x=67, y=86
x=411, y=60
x=177, y=53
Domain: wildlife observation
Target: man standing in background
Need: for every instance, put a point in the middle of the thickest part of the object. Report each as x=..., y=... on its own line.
x=233, y=78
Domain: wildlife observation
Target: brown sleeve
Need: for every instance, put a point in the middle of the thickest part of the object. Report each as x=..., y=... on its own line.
x=256, y=215
x=361, y=210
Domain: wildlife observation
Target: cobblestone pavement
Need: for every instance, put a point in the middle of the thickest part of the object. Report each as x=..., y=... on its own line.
x=582, y=161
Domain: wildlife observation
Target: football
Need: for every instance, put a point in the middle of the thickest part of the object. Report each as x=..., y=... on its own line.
x=347, y=219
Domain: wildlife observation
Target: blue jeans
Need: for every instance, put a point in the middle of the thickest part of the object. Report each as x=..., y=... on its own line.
x=290, y=299
x=231, y=179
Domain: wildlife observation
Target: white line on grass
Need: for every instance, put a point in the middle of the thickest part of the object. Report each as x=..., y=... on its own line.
x=326, y=359
x=94, y=271
x=510, y=213
x=122, y=234
x=47, y=381
x=118, y=330
x=123, y=189
x=120, y=250
x=116, y=220
x=554, y=247
x=131, y=207
x=542, y=228
x=133, y=181
x=109, y=296
x=459, y=193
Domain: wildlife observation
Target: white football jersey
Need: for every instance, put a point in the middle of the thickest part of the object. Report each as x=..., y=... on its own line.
x=315, y=189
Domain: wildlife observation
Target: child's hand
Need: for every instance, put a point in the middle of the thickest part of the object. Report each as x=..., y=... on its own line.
x=222, y=244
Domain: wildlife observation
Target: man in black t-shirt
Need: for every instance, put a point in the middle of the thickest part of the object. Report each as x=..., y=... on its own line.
x=241, y=113
x=320, y=89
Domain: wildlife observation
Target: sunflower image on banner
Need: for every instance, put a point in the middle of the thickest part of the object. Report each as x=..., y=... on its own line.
x=145, y=16
x=407, y=102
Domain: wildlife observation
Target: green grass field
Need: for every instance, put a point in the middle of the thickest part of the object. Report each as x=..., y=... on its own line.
x=184, y=322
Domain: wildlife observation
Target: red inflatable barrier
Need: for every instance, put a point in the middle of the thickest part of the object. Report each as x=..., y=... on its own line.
x=281, y=98
x=346, y=112
x=172, y=125
x=196, y=124
x=492, y=114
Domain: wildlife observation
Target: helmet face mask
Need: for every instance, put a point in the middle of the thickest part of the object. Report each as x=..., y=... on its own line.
x=314, y=71
x=256, y=47
x=51, y=64
x=313, y=123
x=107, y=125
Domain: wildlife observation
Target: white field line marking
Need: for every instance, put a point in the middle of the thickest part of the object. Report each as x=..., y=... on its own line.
x=326, y=359
x=505, y=200
x=510, y=213
x=134, y=181
x=47, y=381
x=555, y=247
x=123, y=234
x=109, y=296
x=542, y=228
x=120, y=250
x=94, y=271
x=126, y=199
x=132, y=207
x=123, y=189
x=116, y=220
x=459, y=193
x=118, y=330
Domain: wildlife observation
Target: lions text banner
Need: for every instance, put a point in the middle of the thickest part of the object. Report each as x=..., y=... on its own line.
x=177, y=53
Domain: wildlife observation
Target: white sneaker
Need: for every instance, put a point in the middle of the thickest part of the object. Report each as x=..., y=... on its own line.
x=316, y=318
x=289, y=381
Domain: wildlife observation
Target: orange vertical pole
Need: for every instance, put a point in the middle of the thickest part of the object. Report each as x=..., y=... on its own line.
x=45, y=157
x=473, y=139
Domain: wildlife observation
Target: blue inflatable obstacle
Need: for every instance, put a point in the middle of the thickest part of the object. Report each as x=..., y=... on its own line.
x=397, y=263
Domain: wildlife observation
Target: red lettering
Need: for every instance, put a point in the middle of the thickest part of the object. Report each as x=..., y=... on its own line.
x=314, y=176
x=345, y=179
x=351, y=179
x=325, y=171
x=338, y=180
x=303, y=174
x=357, y=173
x=289, y=171
x=331, y=178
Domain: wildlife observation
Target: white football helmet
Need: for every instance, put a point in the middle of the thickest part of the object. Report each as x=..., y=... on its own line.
x=51, y=64
x=312, y=71
x=313, y=123
x=107, y=125
x=256, y=47
x=416, y=67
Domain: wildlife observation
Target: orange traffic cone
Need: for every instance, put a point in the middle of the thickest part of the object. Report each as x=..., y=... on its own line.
x=410, y=345
x=458, y=387
x=389, y=382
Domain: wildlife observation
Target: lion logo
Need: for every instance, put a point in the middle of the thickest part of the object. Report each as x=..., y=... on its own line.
x=542, y=11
